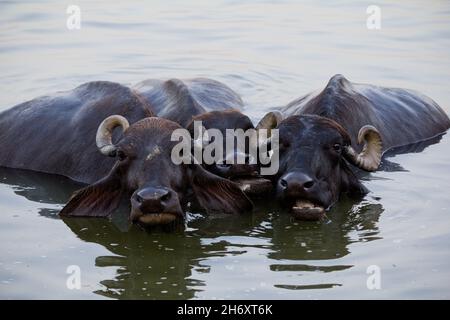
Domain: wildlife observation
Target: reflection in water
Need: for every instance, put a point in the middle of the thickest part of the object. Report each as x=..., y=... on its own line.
x=40, y=187
x=170, y=265
x=330, y=239
x=308, y=247
x=146, y=265
x=420, y=146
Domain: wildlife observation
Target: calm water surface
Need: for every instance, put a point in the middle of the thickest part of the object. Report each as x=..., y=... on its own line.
x=270, y=53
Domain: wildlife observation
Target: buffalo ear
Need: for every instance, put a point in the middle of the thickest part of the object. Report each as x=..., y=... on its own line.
x=216, y=194
x=96, y=200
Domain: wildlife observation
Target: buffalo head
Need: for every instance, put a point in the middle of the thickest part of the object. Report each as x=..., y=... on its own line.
x=245, y=172
x=314, y=157
x=145, y=172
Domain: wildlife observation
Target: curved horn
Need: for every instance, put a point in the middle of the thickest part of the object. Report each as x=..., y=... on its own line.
x=370, y=157
x=270, y=121
x=104, y=134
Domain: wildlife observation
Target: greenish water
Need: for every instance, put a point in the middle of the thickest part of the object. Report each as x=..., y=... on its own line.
x=270, y=53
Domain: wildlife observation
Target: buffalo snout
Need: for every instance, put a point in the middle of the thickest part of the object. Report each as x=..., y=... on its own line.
x=155, y=205
x=295, y=184
x=301, y=191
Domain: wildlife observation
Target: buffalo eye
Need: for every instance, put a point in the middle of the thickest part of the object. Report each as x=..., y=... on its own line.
x=337, y=147
x=121, y=155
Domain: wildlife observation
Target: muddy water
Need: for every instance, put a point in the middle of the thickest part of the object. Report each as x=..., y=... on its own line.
x=270, y=53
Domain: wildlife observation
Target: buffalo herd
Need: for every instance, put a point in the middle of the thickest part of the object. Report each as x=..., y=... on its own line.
x=118, y=141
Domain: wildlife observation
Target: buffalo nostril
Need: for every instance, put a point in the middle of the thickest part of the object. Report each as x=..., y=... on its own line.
x=165, y=197
x=308, y=184
x=139, y=199
x=283, y=183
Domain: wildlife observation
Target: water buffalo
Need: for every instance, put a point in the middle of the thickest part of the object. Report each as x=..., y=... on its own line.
x=56, y=133
x=324, y=135
x=63, y=134
x=182, y=100
x=217, y=107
